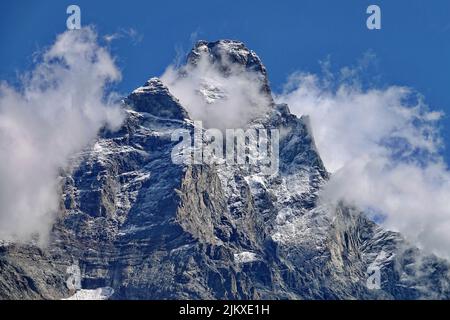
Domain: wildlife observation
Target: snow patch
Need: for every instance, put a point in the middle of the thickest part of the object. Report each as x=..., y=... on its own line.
x=311, y=228
x=245, y=257
x=92, y=294
x=211, y=91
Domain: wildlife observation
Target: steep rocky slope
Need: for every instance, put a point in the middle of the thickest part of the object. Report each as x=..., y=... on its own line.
x=134, y=221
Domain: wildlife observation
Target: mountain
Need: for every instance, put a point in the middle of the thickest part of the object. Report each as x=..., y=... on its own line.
x=135, y=225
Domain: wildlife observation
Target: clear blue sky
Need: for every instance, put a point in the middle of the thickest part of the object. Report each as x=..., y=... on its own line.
x=412, y=49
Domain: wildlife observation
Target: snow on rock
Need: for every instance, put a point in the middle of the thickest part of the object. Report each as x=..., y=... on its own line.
x=92, y=294
x=310, y=228
x=211, y=91
x=245, y=257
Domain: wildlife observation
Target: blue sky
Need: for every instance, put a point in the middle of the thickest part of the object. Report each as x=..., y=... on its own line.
x=412, y=48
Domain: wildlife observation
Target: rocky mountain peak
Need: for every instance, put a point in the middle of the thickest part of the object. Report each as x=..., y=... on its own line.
x=229, y=54
x=155, y=98
x=153, y=85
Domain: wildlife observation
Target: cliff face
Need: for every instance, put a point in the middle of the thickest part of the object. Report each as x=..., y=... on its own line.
x=134, y=221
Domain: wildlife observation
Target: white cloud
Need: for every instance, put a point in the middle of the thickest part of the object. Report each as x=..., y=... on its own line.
x=129, y=33
x=57, y=111
x=349, y=122
x=220, y=100
x=382, y=147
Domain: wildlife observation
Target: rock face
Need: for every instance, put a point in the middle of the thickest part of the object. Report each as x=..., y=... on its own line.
x=146, y=228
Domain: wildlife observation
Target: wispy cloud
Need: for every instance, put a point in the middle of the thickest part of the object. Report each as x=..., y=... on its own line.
x=220, y=99
x=58, y=109
x=127, y=33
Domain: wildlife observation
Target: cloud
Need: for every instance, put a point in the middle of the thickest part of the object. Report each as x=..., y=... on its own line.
x=383, y=148
x=181, y=52
x=129, y=33
x=220, y=99
x=57, y=111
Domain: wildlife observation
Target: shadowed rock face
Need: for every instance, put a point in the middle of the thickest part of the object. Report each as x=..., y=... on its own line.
x=134, y=221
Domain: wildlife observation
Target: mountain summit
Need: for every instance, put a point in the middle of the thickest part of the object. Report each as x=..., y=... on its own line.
x=229, y=55
x=134, y=225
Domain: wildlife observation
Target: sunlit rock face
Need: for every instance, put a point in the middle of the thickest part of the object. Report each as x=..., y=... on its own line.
x=139, y=226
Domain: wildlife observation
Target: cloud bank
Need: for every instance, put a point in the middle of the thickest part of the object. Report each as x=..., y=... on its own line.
x=57, y=111
x=383, y=149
